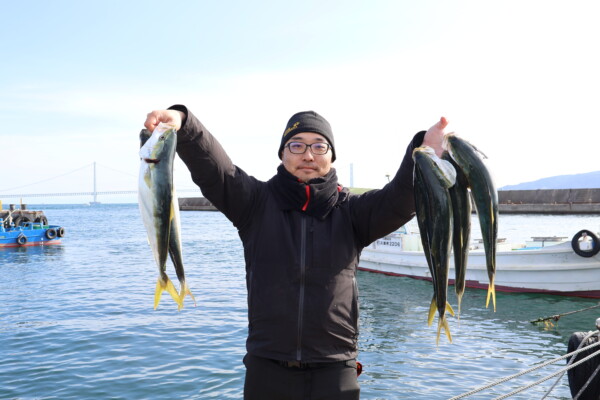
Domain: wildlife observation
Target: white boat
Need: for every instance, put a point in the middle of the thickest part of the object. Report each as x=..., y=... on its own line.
x=550, y=265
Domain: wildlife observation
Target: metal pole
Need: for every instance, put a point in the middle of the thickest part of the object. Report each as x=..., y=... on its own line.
x=95, y=193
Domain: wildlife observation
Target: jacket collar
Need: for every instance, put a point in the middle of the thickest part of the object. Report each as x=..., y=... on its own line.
x=315, y=198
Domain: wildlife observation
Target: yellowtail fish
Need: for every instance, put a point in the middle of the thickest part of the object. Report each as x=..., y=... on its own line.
x=461, y=233
x=159, y=207
x=433, y=177
x=485, y=197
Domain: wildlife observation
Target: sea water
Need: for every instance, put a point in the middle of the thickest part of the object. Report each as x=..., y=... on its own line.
x=77, y=319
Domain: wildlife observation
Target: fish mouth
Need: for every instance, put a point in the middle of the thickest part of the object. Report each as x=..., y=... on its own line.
x=151, y=160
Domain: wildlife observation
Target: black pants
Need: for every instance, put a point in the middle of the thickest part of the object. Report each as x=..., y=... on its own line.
x=270, y=380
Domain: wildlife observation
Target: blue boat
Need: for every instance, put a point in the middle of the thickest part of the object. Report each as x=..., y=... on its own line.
x=29, y=233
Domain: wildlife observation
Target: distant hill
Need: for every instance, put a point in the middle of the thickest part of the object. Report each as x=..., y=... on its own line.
x=590, y=180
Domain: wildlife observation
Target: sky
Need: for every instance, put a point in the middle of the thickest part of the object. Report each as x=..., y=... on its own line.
x=518, y=79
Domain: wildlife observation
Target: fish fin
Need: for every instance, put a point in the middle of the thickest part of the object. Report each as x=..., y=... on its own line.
x=432, y=310
x=161, y=286
x=185, y=290
x=443, y=324
x=491, y=293
x=449, y=309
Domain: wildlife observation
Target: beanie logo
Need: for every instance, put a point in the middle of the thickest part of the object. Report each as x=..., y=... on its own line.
x=291, y=128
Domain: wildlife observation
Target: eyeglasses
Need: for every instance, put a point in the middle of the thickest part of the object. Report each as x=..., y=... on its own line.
x=318, y=148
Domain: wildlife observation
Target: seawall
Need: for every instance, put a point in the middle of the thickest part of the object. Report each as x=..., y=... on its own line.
x=549, y=201
x=543, y=201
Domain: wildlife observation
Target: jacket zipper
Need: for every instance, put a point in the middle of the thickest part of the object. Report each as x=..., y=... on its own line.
x=303, y=234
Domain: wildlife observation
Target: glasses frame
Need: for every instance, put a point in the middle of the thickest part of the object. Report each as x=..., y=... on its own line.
x=307, y=146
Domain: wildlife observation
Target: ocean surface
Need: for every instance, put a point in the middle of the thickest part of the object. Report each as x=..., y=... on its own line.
x=77, y=319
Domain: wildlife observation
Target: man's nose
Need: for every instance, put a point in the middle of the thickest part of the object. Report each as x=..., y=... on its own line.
x=308, y=155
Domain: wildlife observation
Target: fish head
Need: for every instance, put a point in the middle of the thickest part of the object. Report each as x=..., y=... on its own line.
x=160, y=145
x=425, y=158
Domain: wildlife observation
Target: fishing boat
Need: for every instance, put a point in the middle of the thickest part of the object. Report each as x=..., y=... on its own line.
x=552, y=265
x=27, y=228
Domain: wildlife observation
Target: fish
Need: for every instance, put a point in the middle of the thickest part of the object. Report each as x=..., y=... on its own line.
x=461, y=232
x=485, y=197
x=433, y=177
x=159, y=208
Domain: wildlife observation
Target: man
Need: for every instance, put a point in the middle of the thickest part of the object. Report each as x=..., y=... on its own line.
x=302, y=235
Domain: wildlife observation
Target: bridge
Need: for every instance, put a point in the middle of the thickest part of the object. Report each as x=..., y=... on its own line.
x=7, y=195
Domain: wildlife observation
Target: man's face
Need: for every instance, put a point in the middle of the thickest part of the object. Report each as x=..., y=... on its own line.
x=306, y=166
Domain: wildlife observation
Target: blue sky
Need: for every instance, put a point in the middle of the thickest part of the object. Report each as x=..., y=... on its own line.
x=519, y=79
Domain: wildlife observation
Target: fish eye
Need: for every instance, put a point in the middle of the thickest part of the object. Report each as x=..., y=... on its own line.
x=162, y=137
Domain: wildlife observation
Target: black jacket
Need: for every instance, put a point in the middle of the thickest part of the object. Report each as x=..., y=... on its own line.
x=301, y=252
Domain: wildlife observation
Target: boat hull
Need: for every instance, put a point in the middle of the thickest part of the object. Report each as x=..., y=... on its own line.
x=30, y=235
x=553, y=270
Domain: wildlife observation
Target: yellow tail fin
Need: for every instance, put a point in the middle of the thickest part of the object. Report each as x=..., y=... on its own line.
x=491, y=293
x=443, y=323
x=185, y=290
x=161, y=286
x=432, y=310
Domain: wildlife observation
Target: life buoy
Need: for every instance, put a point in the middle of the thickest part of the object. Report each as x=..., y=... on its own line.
x=585, y=253
x=51, y=233
x=22, y=239
x=60, y=232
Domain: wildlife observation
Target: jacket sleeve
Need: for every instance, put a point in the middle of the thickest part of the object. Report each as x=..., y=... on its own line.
x=379, y=212
x=225, y=185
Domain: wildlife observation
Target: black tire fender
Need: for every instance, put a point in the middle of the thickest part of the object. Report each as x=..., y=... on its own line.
x=51, y=233
x=22, y=239
x=20, y=220
x=60, y=232
x=584, y=253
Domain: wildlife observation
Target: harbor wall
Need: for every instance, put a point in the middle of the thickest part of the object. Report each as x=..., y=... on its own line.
x=549, y=201
x=195, y=204
x=543, y=201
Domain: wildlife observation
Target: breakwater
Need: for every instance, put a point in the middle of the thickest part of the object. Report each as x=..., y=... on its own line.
x=542, y=201
x=549, y=201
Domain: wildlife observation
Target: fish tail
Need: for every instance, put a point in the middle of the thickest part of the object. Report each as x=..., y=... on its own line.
x=491, y=293
x=163, y=284
x=184, y=291
x=443, y=324
x=432, y=310
x=449, y=309
x=459, y=299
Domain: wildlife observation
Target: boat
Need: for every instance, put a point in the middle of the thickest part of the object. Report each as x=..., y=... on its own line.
x=551, y=265
x=22, y=227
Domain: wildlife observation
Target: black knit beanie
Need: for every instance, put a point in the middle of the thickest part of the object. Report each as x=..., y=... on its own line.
x=307, y=121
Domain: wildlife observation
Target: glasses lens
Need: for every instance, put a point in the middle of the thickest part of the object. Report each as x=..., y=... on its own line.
x=297, y=147
x=319, y=148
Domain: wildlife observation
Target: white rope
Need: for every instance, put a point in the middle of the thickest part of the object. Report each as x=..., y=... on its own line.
x=527, y=371
x=549, y=376
x=589, y=335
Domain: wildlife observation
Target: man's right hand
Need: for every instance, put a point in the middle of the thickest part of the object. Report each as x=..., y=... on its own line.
x=171, y=117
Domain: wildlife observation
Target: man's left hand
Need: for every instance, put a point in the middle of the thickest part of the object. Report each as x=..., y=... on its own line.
x=435, y=136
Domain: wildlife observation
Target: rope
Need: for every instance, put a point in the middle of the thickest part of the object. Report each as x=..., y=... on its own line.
x=587, y=383
x=557, y=316
x=589, y=335
x=549, y=376
x=530, y=370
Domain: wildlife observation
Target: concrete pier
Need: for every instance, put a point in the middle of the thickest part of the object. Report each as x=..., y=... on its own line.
x=549, y=201
x=195, y=204
x=543, y=201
